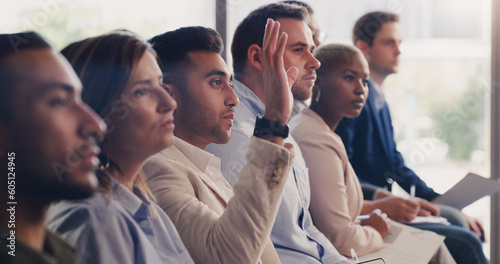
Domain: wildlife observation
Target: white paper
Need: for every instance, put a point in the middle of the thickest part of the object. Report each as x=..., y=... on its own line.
x=419, y=220
x=470, y=189
x=407, y=245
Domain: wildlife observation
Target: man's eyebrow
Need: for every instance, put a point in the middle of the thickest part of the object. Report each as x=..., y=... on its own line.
x=389, y=39
x=47, y=87
x=298, y=44
x=215, y=72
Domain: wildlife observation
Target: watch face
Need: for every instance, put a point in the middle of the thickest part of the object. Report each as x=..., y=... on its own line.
x=267, y=127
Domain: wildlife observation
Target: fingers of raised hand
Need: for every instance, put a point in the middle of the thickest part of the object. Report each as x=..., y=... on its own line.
x=280, y=48
x=267, y=33
x=271, y=38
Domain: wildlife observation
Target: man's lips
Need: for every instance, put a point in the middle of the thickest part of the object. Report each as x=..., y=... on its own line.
x=229, y=116
x=310, y=77
x=90, y=154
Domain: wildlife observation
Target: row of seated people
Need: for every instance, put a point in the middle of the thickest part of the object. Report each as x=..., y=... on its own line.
x=157, y=196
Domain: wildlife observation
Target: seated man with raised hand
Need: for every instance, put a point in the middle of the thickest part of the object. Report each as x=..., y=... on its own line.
x=216, y=224
x=294, y=235
x=48, y=141
x=300, y=96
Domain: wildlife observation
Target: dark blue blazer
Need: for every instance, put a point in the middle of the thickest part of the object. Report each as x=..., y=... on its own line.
x=369, y=141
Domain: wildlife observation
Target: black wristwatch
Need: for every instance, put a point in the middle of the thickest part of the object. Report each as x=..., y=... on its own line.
x=267, y=127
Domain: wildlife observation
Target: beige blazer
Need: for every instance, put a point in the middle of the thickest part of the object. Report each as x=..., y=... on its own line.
x=336, y=196
x=214, y=228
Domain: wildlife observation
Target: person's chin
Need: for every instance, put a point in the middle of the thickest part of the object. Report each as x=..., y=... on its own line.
x=169, y=141
x=223, y=138
x=354, y=113
x=81, y=187
x=302, y=94
x=87, y=179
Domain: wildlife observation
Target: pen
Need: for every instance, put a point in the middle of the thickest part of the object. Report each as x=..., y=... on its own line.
x=354, y=256
x=412, y=191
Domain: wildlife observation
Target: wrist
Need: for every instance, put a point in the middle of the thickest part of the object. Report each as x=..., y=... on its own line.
x=368, y=207
x=275, y=116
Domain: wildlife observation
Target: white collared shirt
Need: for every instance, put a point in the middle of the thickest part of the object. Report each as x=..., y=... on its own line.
x=208, y=163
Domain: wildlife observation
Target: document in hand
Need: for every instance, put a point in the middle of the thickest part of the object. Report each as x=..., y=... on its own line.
x=407, y=245
x=470, y=189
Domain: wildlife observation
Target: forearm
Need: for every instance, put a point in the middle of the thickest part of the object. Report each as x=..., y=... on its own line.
x=243, y=229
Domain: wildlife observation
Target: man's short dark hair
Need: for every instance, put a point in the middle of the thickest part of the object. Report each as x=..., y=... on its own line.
x=251, y=30
x=300, y=3
x=11, y=44
x=173, y=48
x=367, y=26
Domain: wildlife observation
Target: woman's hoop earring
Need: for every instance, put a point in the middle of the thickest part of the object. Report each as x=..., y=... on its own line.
x=318, y=95
x=103, y=167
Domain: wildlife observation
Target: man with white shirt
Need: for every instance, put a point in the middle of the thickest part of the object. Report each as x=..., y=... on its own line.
x=294, y=235
x=300, y=99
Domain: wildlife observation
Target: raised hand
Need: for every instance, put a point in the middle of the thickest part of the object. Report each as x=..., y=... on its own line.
x=277, y=81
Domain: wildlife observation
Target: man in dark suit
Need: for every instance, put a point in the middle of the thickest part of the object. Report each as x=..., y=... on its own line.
x=369, y=139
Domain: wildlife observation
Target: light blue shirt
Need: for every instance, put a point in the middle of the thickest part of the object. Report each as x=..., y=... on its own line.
x=120, y=227
x=294, y=236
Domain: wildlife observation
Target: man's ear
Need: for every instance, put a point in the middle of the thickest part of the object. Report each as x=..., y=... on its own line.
x=363, y=46
x=254, y=56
